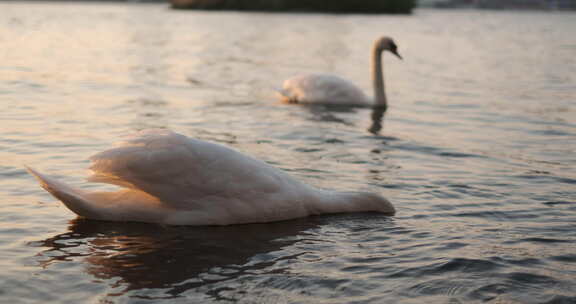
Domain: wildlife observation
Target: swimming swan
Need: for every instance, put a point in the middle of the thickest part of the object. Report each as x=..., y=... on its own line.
x=171, y=179
x=331, y=89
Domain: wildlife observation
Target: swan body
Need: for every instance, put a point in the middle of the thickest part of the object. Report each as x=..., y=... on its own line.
x=334, y=90
x=323, y=88
x=171, y=179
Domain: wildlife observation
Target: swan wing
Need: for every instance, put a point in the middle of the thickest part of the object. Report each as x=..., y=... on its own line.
x=323, y=88
x=182, y=171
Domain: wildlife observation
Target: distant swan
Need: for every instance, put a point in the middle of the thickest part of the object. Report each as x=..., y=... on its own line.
x=171, y=179
x=331, y=89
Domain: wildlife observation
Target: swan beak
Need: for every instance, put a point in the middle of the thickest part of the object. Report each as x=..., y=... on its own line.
x=397, y=54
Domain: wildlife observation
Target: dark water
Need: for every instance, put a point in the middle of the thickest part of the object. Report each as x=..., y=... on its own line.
x=477, y=152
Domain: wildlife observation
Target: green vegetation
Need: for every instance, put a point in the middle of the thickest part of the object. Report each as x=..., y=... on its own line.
x=336, y=6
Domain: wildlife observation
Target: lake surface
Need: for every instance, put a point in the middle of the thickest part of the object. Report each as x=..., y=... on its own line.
x=477, y=152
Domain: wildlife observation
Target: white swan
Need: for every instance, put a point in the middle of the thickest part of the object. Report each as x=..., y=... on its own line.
x=168, y=178
x=331, y=89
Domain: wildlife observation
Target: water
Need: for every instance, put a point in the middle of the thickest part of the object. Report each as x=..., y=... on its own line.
x=477, y=152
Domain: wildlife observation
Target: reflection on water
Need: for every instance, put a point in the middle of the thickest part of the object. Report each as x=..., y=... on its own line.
x=377, y=119
x=174, y=259
x=329, y=113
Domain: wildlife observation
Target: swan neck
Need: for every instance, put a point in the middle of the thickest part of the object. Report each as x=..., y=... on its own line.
x=344, y=202
x=378, y=78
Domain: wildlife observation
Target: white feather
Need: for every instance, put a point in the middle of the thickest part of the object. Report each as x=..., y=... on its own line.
x=323, y=88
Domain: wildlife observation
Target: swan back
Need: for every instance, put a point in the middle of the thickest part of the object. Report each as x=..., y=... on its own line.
x=322, y=89
x=192, y=174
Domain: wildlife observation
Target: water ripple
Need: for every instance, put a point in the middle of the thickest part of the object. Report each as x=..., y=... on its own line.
x=475, y=152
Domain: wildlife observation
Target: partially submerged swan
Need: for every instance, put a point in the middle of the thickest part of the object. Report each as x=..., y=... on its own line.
x=171, y=179
x=331, y=89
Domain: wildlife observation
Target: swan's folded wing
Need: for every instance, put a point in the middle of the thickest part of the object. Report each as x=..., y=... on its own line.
x=180, y=170
x=324, y=88
x=158, y=162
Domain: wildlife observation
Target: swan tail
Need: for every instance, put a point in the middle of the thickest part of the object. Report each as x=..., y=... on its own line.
x=73, y=198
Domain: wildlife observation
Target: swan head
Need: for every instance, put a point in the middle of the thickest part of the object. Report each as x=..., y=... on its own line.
x=387, y=44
